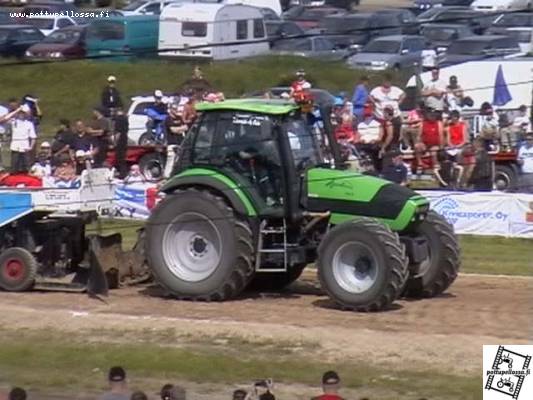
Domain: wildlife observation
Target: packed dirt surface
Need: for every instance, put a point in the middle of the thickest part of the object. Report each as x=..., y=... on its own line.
x=445, y=333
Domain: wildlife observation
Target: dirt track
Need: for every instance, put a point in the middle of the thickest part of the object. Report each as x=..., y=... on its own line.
x=440, y=333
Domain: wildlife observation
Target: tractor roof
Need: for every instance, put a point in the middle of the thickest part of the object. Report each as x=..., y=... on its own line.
x=261, y=106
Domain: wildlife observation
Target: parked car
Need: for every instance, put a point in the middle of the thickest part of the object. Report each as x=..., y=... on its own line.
x=512, y=20
x=49, y=24
x=479, y=47
x=277, y=30
x=406, y=19
x=478, y=21
x=396, y=52
x=146, y=7
x=440, y=36
x=497, y=5
x=64, y=43
x=424, y=5
x=15, y=39
x=310, y=17
x=355, y=30
x=313, y=47
x=523, y=35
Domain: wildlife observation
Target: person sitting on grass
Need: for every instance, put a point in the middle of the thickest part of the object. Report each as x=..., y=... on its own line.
x=17, y=394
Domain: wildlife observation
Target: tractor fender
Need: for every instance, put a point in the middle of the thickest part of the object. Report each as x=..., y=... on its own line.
x=225, y=187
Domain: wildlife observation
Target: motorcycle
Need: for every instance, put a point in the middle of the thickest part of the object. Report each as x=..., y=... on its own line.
x=156, y=130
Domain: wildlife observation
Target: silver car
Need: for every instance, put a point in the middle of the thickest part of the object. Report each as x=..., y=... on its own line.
x=389, y=52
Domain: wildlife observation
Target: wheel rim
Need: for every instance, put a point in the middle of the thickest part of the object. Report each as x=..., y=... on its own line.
x=355, y=267
x=502, y=181
x=13, y=270
x=192, y=247
x=152, y=170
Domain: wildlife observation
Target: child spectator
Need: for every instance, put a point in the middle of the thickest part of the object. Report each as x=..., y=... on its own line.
x=135, y=175
x=525, y=158
x=395, y=171
x=42, y=167
x=481, y=178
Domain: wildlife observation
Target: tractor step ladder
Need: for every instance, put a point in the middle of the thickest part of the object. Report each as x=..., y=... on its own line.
x=264, y=231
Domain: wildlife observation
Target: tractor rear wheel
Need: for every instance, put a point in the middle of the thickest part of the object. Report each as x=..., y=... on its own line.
x=269, y=281
x=440, y=269
x=362, y=265
x=18, y=269
x=198, y=248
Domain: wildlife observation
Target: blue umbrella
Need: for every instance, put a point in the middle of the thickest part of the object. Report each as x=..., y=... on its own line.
x=501, y=91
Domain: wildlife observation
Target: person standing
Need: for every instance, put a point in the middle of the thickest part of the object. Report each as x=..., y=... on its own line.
x=62, y=140
x=99, y=129
x=23, y=139
x=118, y=387
x=330, y=387
x=429, y=59
x=454, y=95
x=481, y=178
x=387, y=99
x=360, y=98
x=121, y=131
x=434, y=93
x=110, y=98
x=525, y=159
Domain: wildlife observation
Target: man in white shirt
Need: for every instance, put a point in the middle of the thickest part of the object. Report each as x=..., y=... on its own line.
x=370, y=138
x=525, y=159
x=429, y=59
x=23, y=138
x=521, y=122
x=434, y=92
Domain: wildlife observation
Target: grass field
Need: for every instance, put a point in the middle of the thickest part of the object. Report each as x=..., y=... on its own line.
x=77, y=366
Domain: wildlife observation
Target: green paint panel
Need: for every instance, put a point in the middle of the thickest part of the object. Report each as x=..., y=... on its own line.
x=218, y=176
x=272, y=107
x=342, y=185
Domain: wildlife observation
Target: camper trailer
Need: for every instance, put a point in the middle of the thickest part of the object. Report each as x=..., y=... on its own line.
x=237, y=31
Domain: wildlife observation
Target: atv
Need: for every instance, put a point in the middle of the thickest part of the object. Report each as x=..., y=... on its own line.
x=258, y=195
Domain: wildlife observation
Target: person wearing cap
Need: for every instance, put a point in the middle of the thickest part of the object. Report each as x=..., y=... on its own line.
x=118, y=387
x=100, y=129
x=23, y=139
x=434, y=93
x=330, y=386
x=172, y=392
x=454, y=95
x=110, y=97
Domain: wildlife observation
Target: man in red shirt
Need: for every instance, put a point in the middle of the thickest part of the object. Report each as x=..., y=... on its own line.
x=330, y=386
x=300, y=84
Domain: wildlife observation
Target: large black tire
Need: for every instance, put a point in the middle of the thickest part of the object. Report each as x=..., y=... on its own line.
x=152, y=165
x=18, y=269
x=273, y=281
x=357, y=250
x=440, y=270
x=215, y=260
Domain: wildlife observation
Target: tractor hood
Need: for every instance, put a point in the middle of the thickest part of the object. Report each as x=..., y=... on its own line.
x=348, y=194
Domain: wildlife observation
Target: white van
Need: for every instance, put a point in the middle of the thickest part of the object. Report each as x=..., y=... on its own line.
x=185, y=28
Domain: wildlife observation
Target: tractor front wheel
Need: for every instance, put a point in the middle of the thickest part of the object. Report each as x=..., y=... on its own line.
x=18, y=269
x=362, y=265
x=197, y=248
x=440, y=269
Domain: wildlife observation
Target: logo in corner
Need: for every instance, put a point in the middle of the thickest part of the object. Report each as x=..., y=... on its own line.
x=507, y=372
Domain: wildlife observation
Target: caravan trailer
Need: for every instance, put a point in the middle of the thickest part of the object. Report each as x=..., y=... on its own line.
x=187, y=27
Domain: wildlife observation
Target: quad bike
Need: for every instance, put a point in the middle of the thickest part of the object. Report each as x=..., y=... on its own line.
x=216, y=232
x=44, y=243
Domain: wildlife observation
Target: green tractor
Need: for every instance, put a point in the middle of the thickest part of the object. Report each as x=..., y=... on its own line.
x=253, y=202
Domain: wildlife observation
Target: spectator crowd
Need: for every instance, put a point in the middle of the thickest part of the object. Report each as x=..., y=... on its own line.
x=119, y=389
x=369, y=126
